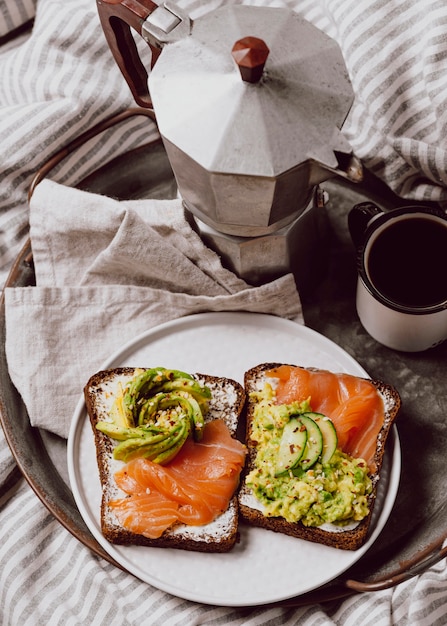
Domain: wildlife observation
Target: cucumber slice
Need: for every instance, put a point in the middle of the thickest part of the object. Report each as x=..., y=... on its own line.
x=292, y=445
x=330, y=439
x=314, y=443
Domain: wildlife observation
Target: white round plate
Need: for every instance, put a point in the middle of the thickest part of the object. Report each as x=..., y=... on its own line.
x=264, y=566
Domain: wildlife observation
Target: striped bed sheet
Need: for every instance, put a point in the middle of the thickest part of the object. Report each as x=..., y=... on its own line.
x=57, y=79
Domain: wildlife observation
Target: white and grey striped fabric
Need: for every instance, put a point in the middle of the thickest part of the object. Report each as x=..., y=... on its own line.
x=15, y=14
x=56, y=81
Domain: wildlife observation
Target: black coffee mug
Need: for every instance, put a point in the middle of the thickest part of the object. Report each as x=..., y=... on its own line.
x=402, y=265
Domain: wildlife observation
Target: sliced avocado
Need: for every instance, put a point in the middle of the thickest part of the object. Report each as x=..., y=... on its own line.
x=314, y=443
x=147, y=409
x=191, y=387
x=160, y=379
x=292, y=445
x=154, y=447
x=137, y=447
x=176, y=444
x=119, y=413
x=164, y=401
x=330, y=439
x=141, y=386
x=172, y=399
x=194, y=412
x=197, y=418
x=138, y=383
x=154, y=379
x=119, y=433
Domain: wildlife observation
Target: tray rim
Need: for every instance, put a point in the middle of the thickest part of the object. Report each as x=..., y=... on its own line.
x=61, y=503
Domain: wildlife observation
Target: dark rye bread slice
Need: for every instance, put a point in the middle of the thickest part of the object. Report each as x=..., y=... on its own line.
x=251, y=510
x=227, y=403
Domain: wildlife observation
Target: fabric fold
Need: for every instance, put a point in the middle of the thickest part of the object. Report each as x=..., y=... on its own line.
x=107, y=271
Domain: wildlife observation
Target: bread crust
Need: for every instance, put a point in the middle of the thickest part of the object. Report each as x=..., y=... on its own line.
x=227, y=403
x=346, y=539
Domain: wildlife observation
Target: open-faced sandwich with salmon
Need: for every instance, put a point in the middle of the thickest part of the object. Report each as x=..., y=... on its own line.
x=316, y=441
x=168, y=458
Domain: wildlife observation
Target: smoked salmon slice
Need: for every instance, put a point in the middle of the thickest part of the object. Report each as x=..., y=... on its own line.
x=352, y=403
x=194, y=488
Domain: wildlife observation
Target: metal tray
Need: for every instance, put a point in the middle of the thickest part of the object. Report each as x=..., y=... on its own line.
x=413, y=538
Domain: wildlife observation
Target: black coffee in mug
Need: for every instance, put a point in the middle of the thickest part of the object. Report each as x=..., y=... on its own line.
x=407, y=261
x=401, y=296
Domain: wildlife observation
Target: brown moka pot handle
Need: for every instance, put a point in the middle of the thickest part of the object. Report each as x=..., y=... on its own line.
x=117, y=18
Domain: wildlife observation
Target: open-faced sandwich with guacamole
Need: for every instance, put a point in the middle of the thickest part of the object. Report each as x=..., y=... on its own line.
x=315, y=443
x=173, y=473
x=168, y=459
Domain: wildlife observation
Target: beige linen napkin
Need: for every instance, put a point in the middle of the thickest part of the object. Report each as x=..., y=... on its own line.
x=105, y=272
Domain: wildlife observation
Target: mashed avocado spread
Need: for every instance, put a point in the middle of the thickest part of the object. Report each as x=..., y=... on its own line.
x=333, y=492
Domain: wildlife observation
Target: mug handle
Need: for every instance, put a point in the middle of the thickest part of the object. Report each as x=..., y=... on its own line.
x=359, y=218
x=117, y=17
